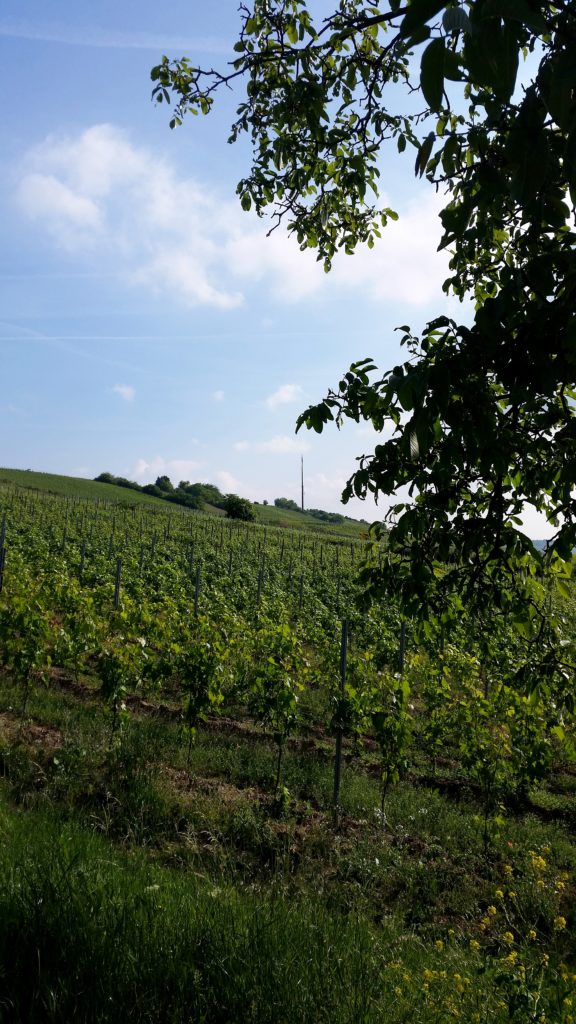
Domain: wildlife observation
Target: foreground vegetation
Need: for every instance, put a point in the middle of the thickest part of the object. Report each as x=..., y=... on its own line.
x=171, y=696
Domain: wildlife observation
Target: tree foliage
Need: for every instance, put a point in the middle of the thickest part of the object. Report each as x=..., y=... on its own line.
x=236, y=507
x=482, y=93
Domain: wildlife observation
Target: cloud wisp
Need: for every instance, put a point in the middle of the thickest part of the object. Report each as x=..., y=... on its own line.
x=146, y=471
x=126, y=392
x=279, y=445
x=284, y=395
x=94, y=37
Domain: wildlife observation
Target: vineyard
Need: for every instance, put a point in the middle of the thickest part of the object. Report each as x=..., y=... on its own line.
x=317, y=810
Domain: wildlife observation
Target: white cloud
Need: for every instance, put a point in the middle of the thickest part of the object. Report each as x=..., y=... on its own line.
x=279, y=445
x=101, y=196
x=284, y=395
x=126, y=391
x=229, y=484
x=159, y=231
x=70, y=217
x=145, y=471
x=404, y=264
x=283, y=446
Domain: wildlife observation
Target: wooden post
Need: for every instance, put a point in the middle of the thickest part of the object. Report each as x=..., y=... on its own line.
x=117, y=583
x=197, y=590
x=2, y=564
x=260, y=582
x=402, y=648
x=338, y=752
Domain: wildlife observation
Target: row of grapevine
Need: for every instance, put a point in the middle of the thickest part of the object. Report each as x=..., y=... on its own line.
x=219, y=615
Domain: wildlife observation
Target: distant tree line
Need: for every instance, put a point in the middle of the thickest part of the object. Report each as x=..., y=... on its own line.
x=187, y=494
x=198, y=495
x=318, y=513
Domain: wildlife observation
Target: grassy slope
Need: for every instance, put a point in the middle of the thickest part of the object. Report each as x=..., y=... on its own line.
x=72, y=486
x=269, y=515
x=76, y=487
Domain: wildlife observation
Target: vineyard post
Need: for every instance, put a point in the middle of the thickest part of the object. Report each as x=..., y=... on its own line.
x=2, y=564
x=260, y=582
x=402, y=648
x=82, y=557
x=197, y=591
x=339, y=731
x=117, y=582
x=301, y=595
x=141, y=565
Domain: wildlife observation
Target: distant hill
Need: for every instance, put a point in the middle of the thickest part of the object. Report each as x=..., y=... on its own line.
x=267, y=515
x=73, y=486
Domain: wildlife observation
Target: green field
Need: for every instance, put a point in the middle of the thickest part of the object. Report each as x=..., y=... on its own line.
x=171, y=699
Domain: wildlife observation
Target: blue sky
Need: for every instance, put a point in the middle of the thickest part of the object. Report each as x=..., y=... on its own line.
x=147, y=325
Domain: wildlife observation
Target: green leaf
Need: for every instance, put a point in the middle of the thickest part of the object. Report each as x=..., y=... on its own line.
x=455, y=20
x=516, y=10
x=432, y=73
x=418, y=14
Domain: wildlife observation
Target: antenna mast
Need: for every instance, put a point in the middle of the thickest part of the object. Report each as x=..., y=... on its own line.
x=302, y=478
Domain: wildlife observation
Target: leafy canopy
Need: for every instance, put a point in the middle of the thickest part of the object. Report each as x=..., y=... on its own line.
x=482, y=93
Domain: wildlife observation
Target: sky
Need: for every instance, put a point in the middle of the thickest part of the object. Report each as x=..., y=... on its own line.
x=147, y=324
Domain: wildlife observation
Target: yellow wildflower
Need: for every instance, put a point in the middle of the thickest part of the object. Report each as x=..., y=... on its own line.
x=508, y=937
x=439, y=944
x=559, y=924
x=474, y=945
x=499, y=894
x=492, y=911
x=532, y=935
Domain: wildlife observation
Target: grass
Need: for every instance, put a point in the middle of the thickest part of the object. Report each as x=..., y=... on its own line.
x=95, y=934
x=269, y=515
x=134, y=889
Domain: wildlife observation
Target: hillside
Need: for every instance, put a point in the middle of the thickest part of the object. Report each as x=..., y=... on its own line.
x=77, y=487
